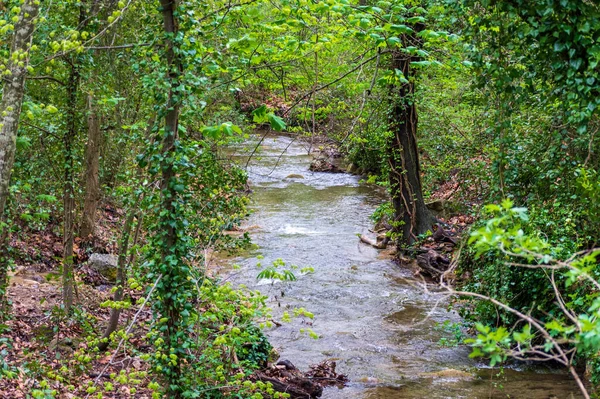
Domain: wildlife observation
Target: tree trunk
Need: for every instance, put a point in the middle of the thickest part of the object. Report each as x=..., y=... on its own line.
x=12, y=99
x=170, y=249
x=122, y=264
x=69, y=138
x=405, y=174
x=92, y=161
x=69, y=188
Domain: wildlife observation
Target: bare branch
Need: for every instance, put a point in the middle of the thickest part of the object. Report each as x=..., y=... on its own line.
x=47, y=78
x=41, y=129
x=332, y=82
x=120, y=46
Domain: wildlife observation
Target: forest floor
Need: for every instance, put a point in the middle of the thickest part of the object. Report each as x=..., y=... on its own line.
x=39, y=340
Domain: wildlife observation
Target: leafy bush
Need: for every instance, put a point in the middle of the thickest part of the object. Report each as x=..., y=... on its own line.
x=554, y=294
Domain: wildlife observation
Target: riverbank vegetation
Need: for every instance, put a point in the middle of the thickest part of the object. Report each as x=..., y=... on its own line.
x=116, y=117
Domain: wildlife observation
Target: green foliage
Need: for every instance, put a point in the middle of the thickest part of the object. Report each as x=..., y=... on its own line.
x=557, y=56
x=561, y=319
x=524, y=131
x=491, y=249
x=536, y=64
x=383, y=212
x=225, y=329
x=455, y=333
x=261, y=115
x=490, y=343
x=558, y=230
x=7, y=370
x=277, y=271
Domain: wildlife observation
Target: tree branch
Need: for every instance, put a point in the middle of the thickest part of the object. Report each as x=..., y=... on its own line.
x=332, y=82
x=47, y=78
x=120, y=46
x=41, y=129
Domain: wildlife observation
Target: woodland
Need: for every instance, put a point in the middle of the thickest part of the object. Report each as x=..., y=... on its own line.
x=479, y=119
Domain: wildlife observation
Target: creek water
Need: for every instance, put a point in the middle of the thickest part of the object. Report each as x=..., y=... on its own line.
x=381, y=326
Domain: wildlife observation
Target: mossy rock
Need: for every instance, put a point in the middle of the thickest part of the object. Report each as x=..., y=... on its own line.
x=105, y=264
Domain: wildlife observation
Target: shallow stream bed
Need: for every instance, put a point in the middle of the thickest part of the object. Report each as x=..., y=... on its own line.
x=371, y=315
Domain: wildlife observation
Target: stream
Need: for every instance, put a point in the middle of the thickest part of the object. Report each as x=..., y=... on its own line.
x=373, y=317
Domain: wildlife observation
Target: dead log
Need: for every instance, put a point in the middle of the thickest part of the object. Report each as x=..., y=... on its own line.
x=285, y=377
x=380, y=243
x=326, y=375
x=433, y=263
x=297, y=389
x=441, y=235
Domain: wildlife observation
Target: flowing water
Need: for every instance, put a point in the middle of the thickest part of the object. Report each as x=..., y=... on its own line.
x=371, y=315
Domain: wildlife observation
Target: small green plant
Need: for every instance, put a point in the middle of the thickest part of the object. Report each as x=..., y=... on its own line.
x=454, y=331
x=279, y=270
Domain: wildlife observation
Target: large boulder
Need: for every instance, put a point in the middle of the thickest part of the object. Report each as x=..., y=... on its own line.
x=105, y=264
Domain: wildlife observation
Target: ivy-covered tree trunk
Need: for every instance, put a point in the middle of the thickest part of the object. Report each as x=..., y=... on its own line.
x=87, y=9
x=10, y=109
x=175, y=272
x=412, y=216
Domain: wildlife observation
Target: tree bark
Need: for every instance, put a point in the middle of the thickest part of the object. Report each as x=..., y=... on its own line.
x=69, y=137
x=73, y=86
x=10, y=108
x=69, y=188
x=413, y=216
x=92, y=161
x=169, y=233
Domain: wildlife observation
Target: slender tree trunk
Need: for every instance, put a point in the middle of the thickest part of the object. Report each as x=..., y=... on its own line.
x=170, y=253
x=69, y=187
x=10, y=108
x=403, y=156
x=122, y=264
x=69, y=138
x=92, y=161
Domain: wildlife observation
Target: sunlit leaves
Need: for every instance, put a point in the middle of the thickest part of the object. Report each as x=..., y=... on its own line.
x=489, y=343
x=261, y=115
x=225, y=129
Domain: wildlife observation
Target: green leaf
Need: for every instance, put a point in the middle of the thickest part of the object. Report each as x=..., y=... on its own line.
x=276, y=122
x=415, y=20
x=401, y=29
x=394, y=41
x=420, y=63
x=260, y=114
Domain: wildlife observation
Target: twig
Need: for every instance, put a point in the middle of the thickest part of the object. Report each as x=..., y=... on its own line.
x=41, y=129
x=330, y=83
x=256, y=148
x=590, y=148
x=47, y=78
x=366, y=94
x=119, y=46
x=126, y=332
x=562, y=355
